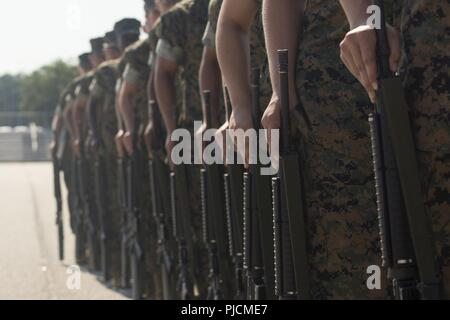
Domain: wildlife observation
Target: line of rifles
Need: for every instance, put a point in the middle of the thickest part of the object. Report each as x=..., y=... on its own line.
x=254, y=226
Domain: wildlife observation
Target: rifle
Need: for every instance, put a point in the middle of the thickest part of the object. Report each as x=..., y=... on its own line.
x=214, y=222
x=135, y=222
x=123, y=198
x=122, y=165
x=159, y=188
x=292, y=279
x=80, y=235
x=258, y=229
x=233, y=182
x=59, y=212
x=100, y=188
x=406, y=240
x=88, y=212
x=178, y=192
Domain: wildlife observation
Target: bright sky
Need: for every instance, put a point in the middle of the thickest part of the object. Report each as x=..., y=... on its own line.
x=36, y=32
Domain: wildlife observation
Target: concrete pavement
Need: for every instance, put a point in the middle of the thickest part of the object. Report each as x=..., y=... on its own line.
x=29, y=265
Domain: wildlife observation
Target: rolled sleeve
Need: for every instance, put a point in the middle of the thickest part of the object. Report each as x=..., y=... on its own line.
x=166, y=51
x=95, y=89
x=131, y=75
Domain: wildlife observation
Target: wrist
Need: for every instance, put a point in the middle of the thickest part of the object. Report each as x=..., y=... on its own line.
x=359, y=21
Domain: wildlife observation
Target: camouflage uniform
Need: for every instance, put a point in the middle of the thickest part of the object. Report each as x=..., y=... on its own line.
x=424, y=68
x=136, y=73
x=179, y=41
x=209, y=37
x=258, y=56
x=335, y=149
x=67, y=157
x=103, y=89
x=82, y=93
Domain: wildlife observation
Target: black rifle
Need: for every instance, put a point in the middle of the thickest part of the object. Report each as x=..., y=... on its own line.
x=215, y=222
x=122, y=182
x=233, y=181
x=404, y=229
x=178, y=192
x=258, y=229
x=123, y=198
x=100, y=189
x=59, y=212
x=135, y=222
x=159, y=191
x=104, y=218
x=89, y=213
x=79, y=230
x=291, y=262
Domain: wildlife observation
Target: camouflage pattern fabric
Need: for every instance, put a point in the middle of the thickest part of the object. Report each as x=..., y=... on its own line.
x=179, y=32
x=82, y=92
x=424, y=68
x=136, y=73
x=103, y=86
x=66, y=161
x=180, y=42
x=340, y=197
x=209, y=37
x=258, y=56
x=153, y=42
x=82, y=88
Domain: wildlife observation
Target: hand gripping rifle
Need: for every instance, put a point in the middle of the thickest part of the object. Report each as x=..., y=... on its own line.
x=406, y=239
x=288, y=207
x=159, y=192
x=233, y=182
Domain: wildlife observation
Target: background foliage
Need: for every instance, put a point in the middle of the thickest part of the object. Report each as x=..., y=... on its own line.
x=37, y=92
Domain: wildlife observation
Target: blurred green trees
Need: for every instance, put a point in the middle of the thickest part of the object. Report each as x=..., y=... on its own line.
x=33, y=95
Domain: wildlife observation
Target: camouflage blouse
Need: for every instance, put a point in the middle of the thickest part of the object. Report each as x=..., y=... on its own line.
x=209, y=37
x=136, y=73
x=180, y=41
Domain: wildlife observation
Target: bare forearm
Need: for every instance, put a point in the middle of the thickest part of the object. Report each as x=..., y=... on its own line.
x=233, y=48
x=210, y=80
x=282, y=21
x=356, y=11
x=165, y=94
